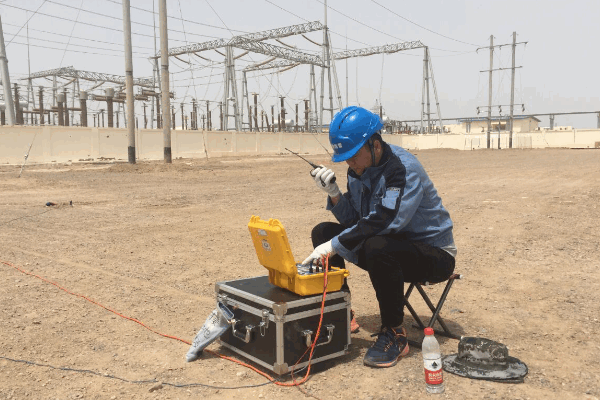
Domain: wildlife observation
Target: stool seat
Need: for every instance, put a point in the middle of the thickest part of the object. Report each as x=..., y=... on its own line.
x=451, y=278
x=434, y=309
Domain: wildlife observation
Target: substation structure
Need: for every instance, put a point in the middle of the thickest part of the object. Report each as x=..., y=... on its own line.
x=235, y=111
x=243, y=110
x=60, y=113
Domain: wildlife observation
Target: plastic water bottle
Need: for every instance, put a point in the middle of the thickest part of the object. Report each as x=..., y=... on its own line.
x=432, y=361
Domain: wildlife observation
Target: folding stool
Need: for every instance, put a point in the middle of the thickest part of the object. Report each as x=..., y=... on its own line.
x=435, y=310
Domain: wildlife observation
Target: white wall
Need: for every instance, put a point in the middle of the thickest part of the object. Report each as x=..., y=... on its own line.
x=521, y=125
x=75, y=144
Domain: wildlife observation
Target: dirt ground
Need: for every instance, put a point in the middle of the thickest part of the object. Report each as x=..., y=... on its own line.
x=150, y=240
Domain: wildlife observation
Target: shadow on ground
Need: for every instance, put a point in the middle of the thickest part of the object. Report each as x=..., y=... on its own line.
x=372, y=324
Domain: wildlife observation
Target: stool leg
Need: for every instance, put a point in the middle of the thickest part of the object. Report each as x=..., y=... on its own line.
x=410, y=308
x=436, y=310
x=414, y=314
x=409, y=291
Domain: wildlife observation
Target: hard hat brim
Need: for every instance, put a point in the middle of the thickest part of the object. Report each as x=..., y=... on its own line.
x=349, y=154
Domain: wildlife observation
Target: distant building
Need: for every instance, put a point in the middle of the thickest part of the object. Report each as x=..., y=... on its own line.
x=479, y=125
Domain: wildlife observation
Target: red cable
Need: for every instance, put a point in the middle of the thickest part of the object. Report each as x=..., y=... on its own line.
x=312, y=348
x=94, y=302
x=294, y=383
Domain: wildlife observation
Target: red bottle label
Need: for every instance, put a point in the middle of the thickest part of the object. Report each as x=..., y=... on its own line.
x=433, y=371
x=434, y=377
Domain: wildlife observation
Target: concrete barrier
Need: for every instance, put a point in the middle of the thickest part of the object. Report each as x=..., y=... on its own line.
x=75, y=144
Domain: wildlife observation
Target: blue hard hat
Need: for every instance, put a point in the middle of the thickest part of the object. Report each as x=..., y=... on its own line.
x=350, y=130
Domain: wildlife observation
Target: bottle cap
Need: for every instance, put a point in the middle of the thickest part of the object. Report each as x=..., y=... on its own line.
x=428, y=331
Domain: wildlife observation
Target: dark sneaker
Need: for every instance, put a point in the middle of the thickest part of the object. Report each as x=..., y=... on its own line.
x=354, y=327
x=389, y=348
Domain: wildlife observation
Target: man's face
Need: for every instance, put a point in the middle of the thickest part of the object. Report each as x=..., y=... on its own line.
x=361, y=160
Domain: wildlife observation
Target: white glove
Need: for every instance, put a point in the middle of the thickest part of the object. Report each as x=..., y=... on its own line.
x=320, y=251
x=323, y=177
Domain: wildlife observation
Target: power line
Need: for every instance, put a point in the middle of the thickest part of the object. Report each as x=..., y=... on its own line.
x=209, y=81
x=212, y=65
x=87, y=23
x=26, y=22
x=180, y=19
x=80, y=38
x=256, y=76
x=77, y=45
x=304, y=19
x=76, y=51
x=71, y=35
x=420, y=26
x=189, y=55
x=370, y=27
x=357, y=21
x=287, y=11
x=225, y=87
x=292, y=85
x=343, y=36
x=204, y=67
x=120, y=19
x=237, y=79
x=220, y=19
x=70, y=20
x=449, y=55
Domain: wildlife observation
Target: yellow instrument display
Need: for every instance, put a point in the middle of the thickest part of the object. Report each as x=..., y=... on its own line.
x=274, y=253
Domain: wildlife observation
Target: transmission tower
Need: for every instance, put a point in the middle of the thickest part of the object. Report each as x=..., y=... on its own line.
x=512, y=97
x=252, y=42
x=286, y=58
x=425, y=99
x=313, y=115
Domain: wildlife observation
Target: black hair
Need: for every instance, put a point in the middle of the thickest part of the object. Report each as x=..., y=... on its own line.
x=372, y=139
x=377, y=136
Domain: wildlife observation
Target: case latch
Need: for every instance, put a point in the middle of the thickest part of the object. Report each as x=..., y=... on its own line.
x=222, y=298
x=264, y=324
x=307, y=333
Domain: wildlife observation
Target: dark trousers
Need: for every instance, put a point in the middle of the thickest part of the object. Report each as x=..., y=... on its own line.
x=390, y=261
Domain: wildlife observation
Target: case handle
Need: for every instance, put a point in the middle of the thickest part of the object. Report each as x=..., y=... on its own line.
x=243, y=337
x=307, y=333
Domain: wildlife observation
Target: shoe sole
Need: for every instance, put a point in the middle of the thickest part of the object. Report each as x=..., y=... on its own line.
x=388, y=364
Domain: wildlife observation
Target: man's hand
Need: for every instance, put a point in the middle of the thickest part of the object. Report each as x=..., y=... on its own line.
x=323, y=177
x=320, y=251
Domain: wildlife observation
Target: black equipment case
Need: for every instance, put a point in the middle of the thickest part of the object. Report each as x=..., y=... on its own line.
x=273, y=327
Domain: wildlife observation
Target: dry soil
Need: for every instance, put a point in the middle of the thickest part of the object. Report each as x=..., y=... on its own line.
x=150, y=240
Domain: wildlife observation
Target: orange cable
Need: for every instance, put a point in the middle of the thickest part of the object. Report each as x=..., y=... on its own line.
x=94, y=302
x=294, y=383
x=312, y=348
x=326, y=259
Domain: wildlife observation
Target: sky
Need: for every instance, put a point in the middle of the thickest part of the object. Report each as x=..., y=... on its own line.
x=558, y=64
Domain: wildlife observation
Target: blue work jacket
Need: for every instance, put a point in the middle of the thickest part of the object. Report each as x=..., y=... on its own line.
x=396, y=196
